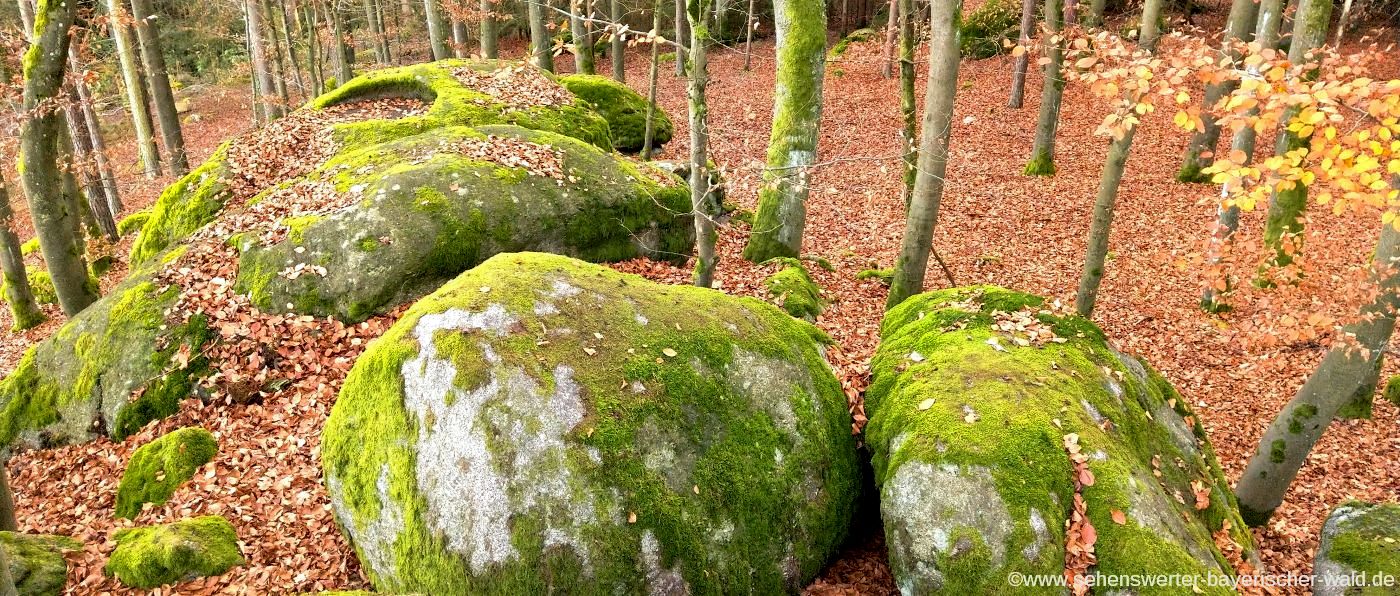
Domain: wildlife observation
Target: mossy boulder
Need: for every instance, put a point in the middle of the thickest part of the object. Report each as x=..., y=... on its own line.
x=454, y=98
x=624, y=109
x=1359, y=554
x=133, y=223
x=40, y=284
x=428, y=210
x=985, y=32
x=972, y=394
x=793, y=289
x=153, y=556
x=36, y=562
x=158, y=468
x=107, y=371
x=542, y=423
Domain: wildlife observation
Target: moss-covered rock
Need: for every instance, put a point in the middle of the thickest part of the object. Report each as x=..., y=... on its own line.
x=984, y=32
x=793, y=289
x=109, y=370
x=153, y=556
x=541, y=423
x=36, y=562
x=454, y=99
x=430, y=209
x=158, y=468
x=1359, y=554
x=972, y=393
x=1392, y=390
x=40, y=284
x=624, y=109
x=133, y=222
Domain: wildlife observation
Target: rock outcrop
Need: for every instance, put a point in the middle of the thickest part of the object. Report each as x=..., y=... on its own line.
x=1359, y=554
x=36, y=562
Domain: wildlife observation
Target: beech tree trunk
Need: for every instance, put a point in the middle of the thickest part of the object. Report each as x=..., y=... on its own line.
x=1346, y=371
x=1071, y=12
x=380, y=38
x=312, y=29
x=274, y=60
x=340, y=56
x=158, y=79
x=1284, y=224
x=907, y=106
x=23, y=308
x=933, y=152
x=1018, y=72
x=649, y=134
x=792, y=148
x=705, y=256
x=53, y=214
x=682, y=36
x=1095, y=17
x=135, y=99
x=8, y=523
x=95, y=138
x=1149, y=29
x=488, y=29
x=1228, y=216
x=1342, y=22
x=1052, y=91
x=287, y=20
x=750, y=23
x=272, y=108
x=437, y=31
x=461, y=39
x=1109, y=182
x=80, y=143
x=541, y=44
x=582, y=42
x=619, y=62
x=1238, y=27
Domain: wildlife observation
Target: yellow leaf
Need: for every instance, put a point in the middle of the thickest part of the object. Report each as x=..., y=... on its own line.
x=1084, y=63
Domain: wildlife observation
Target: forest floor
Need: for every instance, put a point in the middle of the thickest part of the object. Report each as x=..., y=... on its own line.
x=997, y=227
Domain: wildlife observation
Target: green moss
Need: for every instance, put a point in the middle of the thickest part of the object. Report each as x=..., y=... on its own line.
x=1006, y=409
x=1392, y=390
x=884, y=276
x=793, y=289
x=1365, y=538
x=984, y=32
x=157, y=555
x=1191, y=173
x=669, y=348
x=133, y=222
x=296, y=226
x=624, y=109
x=839, y=50
x=1041, y=164
x=184, y=207
x=29, y=247
x=36, y=562
x=40, y=284
x=158, y=468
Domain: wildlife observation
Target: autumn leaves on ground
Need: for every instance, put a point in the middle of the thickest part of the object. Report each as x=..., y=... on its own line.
x=997, y=227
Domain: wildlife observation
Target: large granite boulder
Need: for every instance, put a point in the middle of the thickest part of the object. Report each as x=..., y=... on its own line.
x=1360, y=551
x=624, y=109
x=542, y=425
x=978, y=402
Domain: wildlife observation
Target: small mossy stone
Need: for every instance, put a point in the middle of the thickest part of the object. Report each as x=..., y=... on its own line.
x=1359, y=540
x=968, y=422
x=883, y=276
x=985, y=31
x=153, y=556
x=133, y=223
x=36, y=562
x=540, y=421
x=624, y=109
x=1392, y=390
x=792, y=288
x=157, y=468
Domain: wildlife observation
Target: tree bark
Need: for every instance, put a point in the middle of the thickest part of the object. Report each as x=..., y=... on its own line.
x=270, y=35
x=312, y=28
x=619, y=58
x=1097, y=252
x=1052, y=91
x=82, y=160
x=750, y=23
x=1095, y=16
x=52, y=213
x=288, y=21
x=582, y=42
x=1239, y=27
x=376, y=31
x=682, y=36
x=1284, y=224
x=1346, y=371
x=705, y=256
x=1018, y=72
x=1149, y=29
x=340, y=58
x=437, y=31
x=800, y=60
x=488, y=29
x=1228, y=216
x=262, y=74
x=649, y=134
x=95, y=137
x=1342, y=22
x=20, y=296
x=158, y=78
x=907, y=106
x=461, y=39
x=541, y=45
x=8, y=523
x=140, y=114
x=933, y=152
x=1071, y=12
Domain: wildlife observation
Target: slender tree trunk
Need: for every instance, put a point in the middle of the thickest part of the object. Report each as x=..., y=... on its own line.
x=488, y=29
x=1097, y=252
x=1284, y=224
x=705, y=256
x=272, y=108
x=933, y=152
x=23, y=308
x=541, y=45
x=286, y=19
x=83, y=162
x=1348, y=370
x=1052, y=91
x=461, y=39
x=279, y=73
x=7, y=581
x=8, y=523
x=52, y=213
x=312, y=30
x=95, y=138
x=1149, y=30
x=792, y=149
x=750, y=23
x=152, y=57
x=1239, y=27
x=649, y=135
x=619, y=45
x=1018, y=72
x=582, y=42
x=891, y=39
x=140, y=114
x=437, y=31
x=376, y=31
x=682, y=36
x=907, y=100
x=1342, y=22
x=340, y=58
x=1071, y=12
x=1095, y=17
